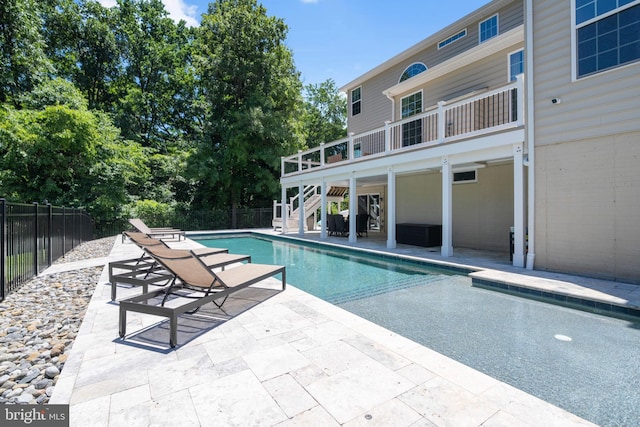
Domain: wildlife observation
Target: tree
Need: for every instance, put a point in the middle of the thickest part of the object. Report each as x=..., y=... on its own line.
x=157, y=86
x=325, y=113
x=250, y=95
x=67, y=156
x=23, y=63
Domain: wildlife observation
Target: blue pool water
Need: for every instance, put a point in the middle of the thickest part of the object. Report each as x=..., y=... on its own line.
x=585, y=363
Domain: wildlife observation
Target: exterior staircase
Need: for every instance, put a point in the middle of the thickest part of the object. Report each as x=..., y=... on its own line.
x=312, y=201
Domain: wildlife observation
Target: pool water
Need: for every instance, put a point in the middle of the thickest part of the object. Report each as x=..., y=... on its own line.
x=579, y=361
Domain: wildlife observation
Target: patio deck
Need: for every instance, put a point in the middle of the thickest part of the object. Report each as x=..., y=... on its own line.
x=287, y=358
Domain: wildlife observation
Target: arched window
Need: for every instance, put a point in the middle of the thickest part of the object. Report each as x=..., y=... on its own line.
x=412, y=70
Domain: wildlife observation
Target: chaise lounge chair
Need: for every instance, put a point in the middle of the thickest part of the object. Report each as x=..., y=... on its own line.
x=159, y=232
x=191, y=275
x=145, y=271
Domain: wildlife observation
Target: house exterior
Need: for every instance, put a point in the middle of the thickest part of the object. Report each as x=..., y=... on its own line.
x=516, y=129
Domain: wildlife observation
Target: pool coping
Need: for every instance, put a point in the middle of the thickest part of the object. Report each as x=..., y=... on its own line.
x=553, y=291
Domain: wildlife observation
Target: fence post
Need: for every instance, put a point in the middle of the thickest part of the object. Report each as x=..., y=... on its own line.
x=64, y=230
x=35, y=239
x=3, y=249
x=49, y=236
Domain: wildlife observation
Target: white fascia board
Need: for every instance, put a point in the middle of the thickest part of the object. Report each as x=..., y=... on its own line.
x=481, y=149
x=483, y=12
x=497, y=44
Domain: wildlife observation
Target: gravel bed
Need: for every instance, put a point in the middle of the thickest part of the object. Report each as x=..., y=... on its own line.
x=39, y=323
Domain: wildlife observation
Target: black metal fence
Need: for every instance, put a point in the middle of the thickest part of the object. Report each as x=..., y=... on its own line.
x=34, y=236
x=214, y=219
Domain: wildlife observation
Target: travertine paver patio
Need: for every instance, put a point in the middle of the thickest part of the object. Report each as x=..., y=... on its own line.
x=274, y=358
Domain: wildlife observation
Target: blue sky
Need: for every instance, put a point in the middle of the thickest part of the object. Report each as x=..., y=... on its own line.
x=343, y=39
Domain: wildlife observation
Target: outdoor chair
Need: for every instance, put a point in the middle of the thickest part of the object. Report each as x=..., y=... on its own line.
x=331, y=224
x=193, y=279
x=151, y=232
x=362, y=224
x=342, y=226
x=145, y=271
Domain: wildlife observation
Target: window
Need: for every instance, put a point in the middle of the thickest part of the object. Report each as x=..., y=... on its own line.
x=607, y=34
x=488, y=28
x=412, y=131
x=466, y=176
x=412, y=70
x=412, y=105
x=516, y=64
x=452, y=39
x=356, y=101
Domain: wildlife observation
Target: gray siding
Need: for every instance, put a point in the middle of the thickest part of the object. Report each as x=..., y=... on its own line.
x=587, y=157
x=482, y=210
x=377, y=108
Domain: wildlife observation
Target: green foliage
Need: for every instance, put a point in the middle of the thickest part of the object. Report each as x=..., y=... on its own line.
x=124, y=112
x=54, y=92
x=67, y=157
x=250, y=104
x=154, y=214
x=325, y=113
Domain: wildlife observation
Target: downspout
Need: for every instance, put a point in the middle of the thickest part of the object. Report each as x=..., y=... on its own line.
x=530, y=134
x=393, y=106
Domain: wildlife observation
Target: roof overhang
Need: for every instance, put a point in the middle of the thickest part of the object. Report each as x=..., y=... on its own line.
x=509, y=39
x=479, y=14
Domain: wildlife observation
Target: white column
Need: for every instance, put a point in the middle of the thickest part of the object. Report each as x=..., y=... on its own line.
x=353, y=205
x=391, y=209
x=323, y=210
x=518, y=206
x=284, y=214
x=301, y=216
x=447, y=208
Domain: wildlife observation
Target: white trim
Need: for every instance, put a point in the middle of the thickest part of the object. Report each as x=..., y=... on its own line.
x=465, y=181
x=574, y=41
x=466, y=21
x=421, y=92
x=351, y=101
x=480, y=41
x=476, y=53
x=407, y=68
x=452, y=41
x=509, y=63
x=530, y=135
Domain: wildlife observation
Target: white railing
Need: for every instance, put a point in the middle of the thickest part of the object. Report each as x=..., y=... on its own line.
x=477, y=114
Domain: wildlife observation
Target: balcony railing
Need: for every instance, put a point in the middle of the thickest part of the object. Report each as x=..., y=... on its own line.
x=470, y=116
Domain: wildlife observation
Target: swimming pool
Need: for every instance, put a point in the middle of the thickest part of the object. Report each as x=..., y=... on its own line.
x=582, y=362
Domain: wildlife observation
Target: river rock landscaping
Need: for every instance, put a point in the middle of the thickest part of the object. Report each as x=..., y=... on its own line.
x=39, y=323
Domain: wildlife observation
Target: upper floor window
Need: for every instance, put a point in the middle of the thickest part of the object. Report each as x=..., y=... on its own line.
x=411, y=104
x=453, y=38
x=412, y=70
x=489, y=28
x=356, y=101
x=607, y=34
x=516, y=64
x=412, y=131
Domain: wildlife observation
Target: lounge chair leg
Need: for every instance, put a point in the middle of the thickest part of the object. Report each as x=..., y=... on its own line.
x=173, y=331
x=123, y=322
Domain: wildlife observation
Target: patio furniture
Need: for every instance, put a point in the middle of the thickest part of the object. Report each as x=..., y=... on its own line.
x=362, y=224
x=342, y=226
x=194, y=280
x=427, y=235
x=145, y=270
x=151, y=232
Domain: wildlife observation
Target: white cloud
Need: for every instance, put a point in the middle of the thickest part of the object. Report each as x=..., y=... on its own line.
x=309, y=1
x=177, y=9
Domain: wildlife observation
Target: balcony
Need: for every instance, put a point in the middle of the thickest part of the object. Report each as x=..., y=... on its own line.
x=473, y=115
